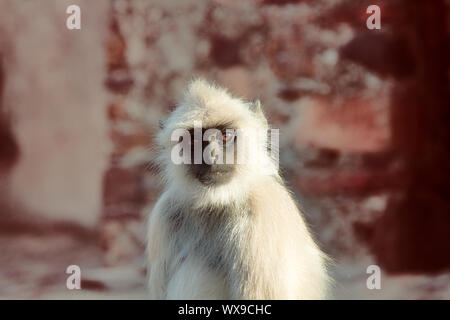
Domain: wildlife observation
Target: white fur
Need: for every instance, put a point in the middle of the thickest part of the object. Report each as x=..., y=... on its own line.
x=276, y=258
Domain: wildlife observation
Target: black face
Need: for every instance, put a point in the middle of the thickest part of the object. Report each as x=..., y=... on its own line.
x=212, y=171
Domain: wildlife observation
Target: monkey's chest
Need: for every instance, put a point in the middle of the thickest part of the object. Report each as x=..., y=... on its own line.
x=215, y=236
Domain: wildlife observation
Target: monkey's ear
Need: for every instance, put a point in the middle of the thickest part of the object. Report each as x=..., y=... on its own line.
x=257, y=110
x=161, y=124
x=256, y=106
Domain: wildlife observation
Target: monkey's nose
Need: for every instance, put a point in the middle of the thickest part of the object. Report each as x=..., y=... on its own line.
x=213, y=156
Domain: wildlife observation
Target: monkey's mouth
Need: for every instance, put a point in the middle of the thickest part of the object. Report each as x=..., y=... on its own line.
x=212, y=175
x=215, y=178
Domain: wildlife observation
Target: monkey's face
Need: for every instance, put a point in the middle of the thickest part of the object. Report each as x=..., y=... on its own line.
x=229, y=151
x=212, y=155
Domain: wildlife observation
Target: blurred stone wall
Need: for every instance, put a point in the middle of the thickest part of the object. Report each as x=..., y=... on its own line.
x=54, y=98
x=80, y=108
x=330, y=85
x=333, y=114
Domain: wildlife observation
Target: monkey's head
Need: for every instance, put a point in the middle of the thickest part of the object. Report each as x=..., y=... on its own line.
x=214, y=145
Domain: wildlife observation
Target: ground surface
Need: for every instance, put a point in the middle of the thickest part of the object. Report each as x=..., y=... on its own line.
x=34, y=268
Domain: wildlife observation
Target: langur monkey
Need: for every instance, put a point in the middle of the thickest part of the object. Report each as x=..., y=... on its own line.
x=227, y=231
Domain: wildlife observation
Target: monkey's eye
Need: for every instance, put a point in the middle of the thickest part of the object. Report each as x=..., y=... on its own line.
x=227, y=136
